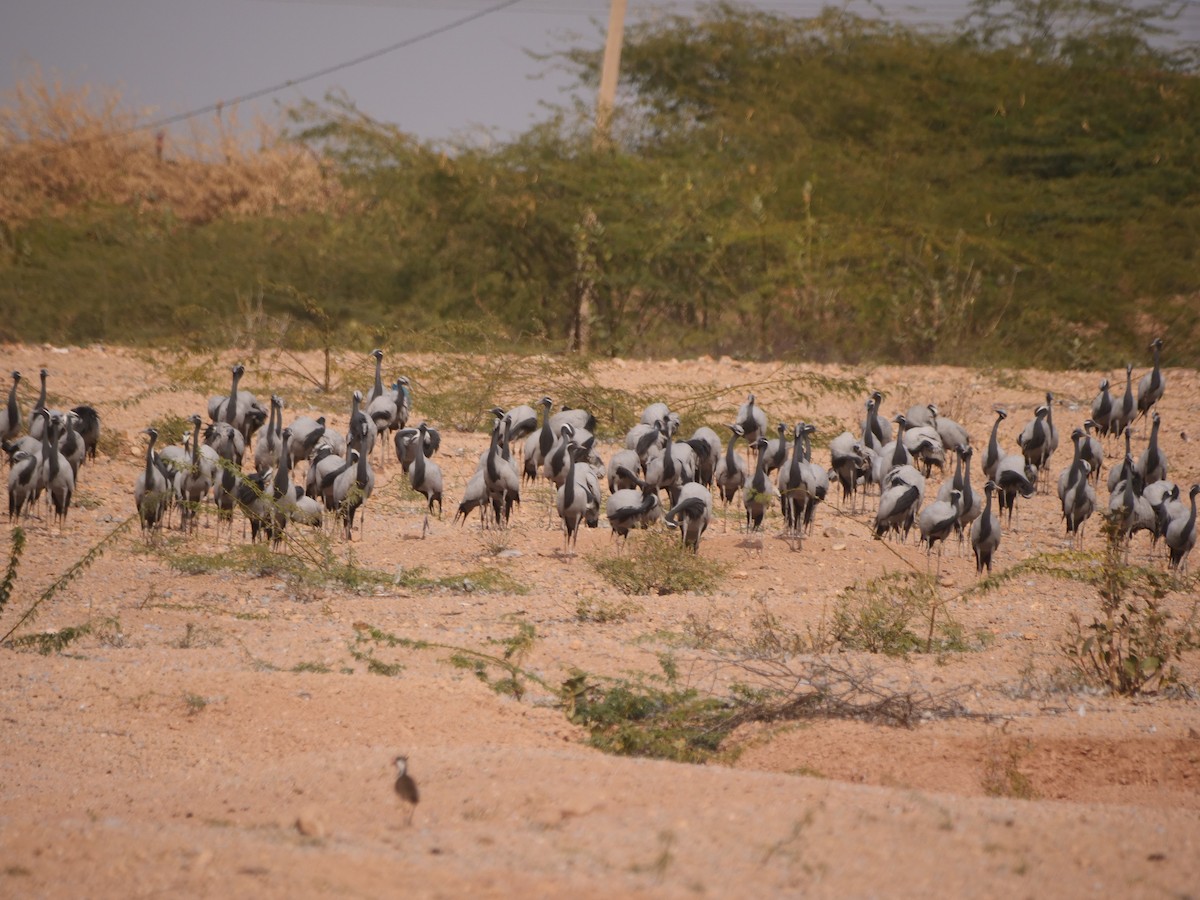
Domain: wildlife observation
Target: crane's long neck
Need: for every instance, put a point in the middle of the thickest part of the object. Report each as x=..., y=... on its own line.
x=231, y=406
x=1076, y=469
x=569, y=484
x=957, y=482
x=50, y=447
x=669, y=457
x=13, y=411
x=797, y=458
x=994, y=443
x=195, y=443
x=1154, y=437
x=985, y=524
x=730, y=456
x=418, y=462
x=362, y=473
x=492, y=471
x=760, y=470
x=282, y=481
x=506, y=448
x=899, y=454
x=41, y=400
x=378, y=376
x=546, y=441
x=150, y=461
x=807, y=447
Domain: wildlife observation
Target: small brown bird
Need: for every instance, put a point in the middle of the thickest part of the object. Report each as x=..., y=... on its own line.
x=406, y=788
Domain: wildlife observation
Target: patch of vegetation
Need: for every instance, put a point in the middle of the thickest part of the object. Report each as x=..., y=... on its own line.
x=603, y=612
x=483, y=581
x=516, y=648
x=318, y=668
x=806, y=772
x=880, y=616
x=171, y=428
x=16, y=548
x=511, y=678
x=638, y=718
x=1134, y=645
x=195, y=704
x=73, y=571
x=654, y=562
x=198, y=636
x=1002, y=775
x=662, y=859
x=308, y=562
x=661, y=718
x=368, y=639
x=48, y=642
x=84, y=500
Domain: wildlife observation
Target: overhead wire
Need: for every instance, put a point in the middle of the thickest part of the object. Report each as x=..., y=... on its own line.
x=175, y=119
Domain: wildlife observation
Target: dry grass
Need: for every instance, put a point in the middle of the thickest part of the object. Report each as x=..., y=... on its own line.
x=63, y=148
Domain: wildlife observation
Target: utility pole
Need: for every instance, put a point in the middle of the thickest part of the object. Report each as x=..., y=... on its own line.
x=585, y=279
x=611, y=69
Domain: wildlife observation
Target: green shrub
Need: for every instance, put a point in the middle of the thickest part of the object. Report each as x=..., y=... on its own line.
x=656, y=562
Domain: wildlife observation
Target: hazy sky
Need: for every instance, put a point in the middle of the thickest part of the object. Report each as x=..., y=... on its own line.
x=172, y=56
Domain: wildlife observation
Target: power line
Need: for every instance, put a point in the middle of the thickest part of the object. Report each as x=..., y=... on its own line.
x=293, y=82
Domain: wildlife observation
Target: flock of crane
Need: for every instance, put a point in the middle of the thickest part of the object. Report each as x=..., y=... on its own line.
x=656, y=476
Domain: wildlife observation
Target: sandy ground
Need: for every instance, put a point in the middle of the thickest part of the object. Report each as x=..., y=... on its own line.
x=217, y=735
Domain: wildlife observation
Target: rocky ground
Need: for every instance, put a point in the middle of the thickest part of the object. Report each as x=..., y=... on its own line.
x=219, y=732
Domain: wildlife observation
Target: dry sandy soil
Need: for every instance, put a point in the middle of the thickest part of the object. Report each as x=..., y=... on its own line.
x=216, y=736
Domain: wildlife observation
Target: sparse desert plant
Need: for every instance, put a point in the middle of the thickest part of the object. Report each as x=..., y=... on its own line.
x=308, y=562
x=17, y=547
x=880, y=615
x=111, y=443
x=655, y=562
x=512, y=679
x=316, y=667
x=1002, y=775
x=1133, y=646
x=194, y=704
x=494, y=541
x=72, y=572
x=171, y=428
x=603, y=612
x=645, y=718
x=1135, y=643
x=198, y=636
x=56, y=641
x=662, y=718
x=516, y=648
